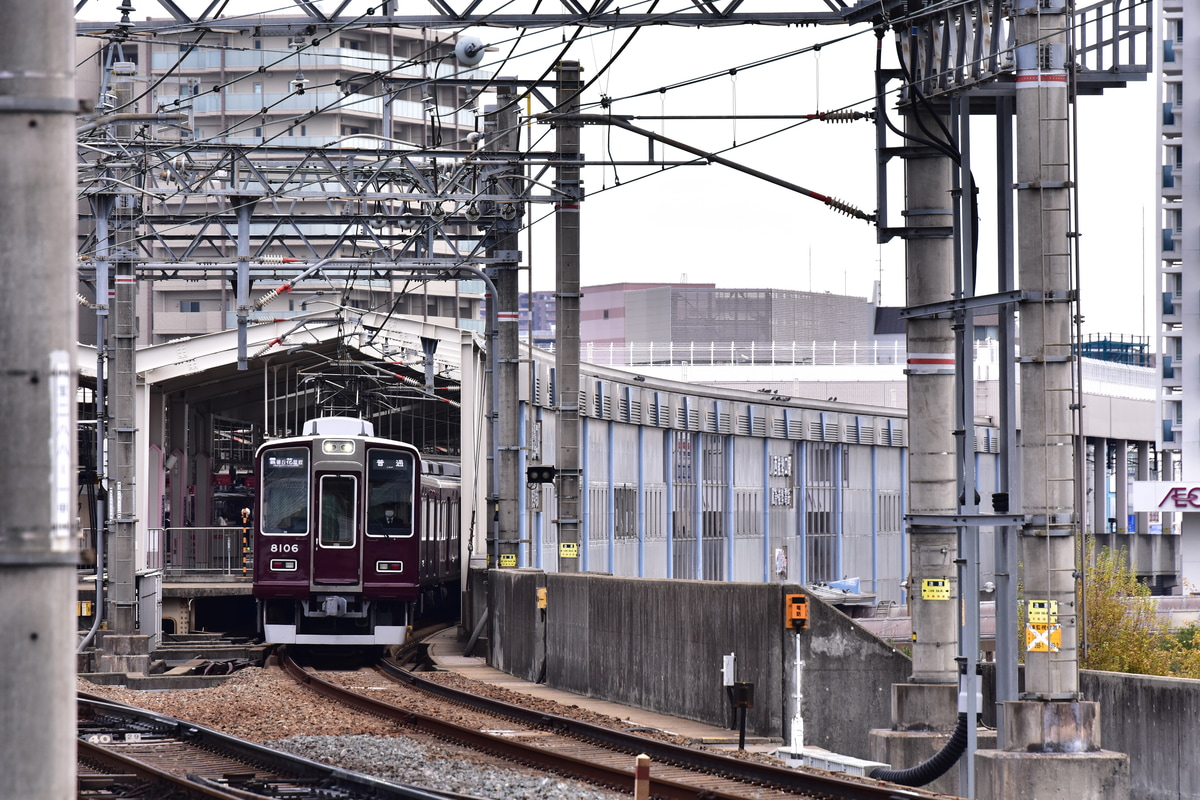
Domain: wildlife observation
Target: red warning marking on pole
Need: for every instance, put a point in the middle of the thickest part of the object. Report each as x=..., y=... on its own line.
x=1042, y=78
x=930, y=363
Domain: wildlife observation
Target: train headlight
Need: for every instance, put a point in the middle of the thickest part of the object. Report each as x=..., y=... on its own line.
x=389, y=566
x=283, y=565
x=340, y=446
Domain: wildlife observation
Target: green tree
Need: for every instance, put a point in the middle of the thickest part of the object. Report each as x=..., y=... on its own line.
x=1124, y=633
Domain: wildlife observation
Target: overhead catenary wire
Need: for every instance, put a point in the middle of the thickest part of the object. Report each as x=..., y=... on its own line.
x=613, y=59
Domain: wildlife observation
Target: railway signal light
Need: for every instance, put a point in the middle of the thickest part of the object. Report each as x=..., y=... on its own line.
x=540, y=474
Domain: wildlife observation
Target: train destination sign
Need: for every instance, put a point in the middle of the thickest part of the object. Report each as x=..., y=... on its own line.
x=1164, y=496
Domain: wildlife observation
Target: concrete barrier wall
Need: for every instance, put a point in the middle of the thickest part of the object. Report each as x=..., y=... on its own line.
x=846, y=682
x=518, y=625
x=659, y=645
x=1156, y=721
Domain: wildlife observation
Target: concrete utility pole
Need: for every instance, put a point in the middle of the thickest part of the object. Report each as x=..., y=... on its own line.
x=1047, y=545
x=566, y=351
x=503, y=138
x=1050, y=718
x=37, y=398
x=924, y=710
x=932, y=482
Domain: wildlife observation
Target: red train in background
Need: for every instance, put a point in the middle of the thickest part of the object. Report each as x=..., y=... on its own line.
x=352, y=533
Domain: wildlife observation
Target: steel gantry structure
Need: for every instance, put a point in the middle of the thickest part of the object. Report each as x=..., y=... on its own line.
x=261, y=213
x=265, y=213
x=494, y=13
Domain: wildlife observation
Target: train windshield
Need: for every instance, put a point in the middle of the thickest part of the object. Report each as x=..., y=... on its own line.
x=285, y=491
x=390, y=489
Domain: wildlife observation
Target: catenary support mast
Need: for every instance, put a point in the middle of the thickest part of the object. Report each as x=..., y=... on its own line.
x=566, y=354
x=37, y=398
x=503, y=138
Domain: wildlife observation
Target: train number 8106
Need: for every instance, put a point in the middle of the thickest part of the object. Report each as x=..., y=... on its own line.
x=285, y=548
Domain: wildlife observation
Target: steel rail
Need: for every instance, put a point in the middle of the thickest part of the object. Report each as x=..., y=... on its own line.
x=326, y=781
x=620, y=779
x=752, y=774
x=120, y=763
x=664, y=752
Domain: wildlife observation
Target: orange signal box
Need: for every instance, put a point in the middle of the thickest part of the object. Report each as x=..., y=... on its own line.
x=796, y=611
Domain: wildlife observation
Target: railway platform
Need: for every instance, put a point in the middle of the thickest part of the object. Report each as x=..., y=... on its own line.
x=446, y=651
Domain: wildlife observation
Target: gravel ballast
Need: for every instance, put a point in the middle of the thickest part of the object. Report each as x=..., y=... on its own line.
x=265, y=705
x=406, y=761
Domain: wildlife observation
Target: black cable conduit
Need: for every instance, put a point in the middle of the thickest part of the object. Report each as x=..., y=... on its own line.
x=932, y=769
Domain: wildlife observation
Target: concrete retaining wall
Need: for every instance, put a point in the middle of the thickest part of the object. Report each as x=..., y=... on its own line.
x=658, y=645
x=518, y=626
x=1156, y=721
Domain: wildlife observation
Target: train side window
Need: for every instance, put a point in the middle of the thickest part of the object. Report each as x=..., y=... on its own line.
x=390, y=488
x=338, y=501
x=285, y=491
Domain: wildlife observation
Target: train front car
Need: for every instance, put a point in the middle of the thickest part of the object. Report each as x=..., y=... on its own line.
x=336, y=550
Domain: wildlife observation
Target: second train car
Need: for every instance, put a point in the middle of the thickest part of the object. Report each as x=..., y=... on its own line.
x=352, y=531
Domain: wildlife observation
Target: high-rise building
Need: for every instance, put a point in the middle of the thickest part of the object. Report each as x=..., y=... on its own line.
x=283, y=89
x=366, y=86
x=1179, y=251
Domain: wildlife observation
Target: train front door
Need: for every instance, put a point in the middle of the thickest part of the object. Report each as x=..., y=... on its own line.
x=335, y=558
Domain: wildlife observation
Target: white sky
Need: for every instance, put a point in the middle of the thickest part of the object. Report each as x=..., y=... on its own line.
x=712, y=224
x=716, y=225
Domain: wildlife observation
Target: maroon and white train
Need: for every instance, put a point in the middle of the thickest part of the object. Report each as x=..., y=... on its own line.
x=351, y=532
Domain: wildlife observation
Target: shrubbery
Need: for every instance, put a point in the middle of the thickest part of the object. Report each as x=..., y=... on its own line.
x=1123, y=630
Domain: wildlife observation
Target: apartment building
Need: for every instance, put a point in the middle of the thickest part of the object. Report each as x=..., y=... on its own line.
x=285, y=90
x=1179, y=252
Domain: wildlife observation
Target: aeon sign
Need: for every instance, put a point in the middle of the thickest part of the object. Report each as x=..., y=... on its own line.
x=1164, y=496
x=1181, y=497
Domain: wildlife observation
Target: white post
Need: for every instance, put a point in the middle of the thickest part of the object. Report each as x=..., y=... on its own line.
x=641, y=778
x=798, y=717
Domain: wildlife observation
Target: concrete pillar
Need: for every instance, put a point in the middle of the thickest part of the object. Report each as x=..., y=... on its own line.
x=925, y=711
x=1050, y=744
x=1189, y=549
x=1166, y=472
x=1121, y=486
x=1051, y=751
x=1142, y=473
x=1099, y=486
x=931, y=442
x=504, y=138
x=1047, y=545
x=474, y=502
x=38, y=324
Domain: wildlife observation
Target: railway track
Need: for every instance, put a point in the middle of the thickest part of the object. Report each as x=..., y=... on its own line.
x=598, y=755
x=128, y=752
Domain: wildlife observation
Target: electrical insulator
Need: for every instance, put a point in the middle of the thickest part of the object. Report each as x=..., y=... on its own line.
x=846, y=208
